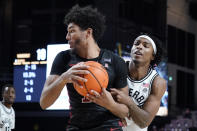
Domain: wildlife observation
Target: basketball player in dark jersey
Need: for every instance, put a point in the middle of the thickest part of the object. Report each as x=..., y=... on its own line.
x=146, y=87
x=85, y=26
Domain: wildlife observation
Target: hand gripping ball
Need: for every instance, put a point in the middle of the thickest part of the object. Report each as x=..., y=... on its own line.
x=97, y=79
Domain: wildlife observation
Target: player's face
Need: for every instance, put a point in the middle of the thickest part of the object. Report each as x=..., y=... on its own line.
x=142, y=51
x=75, y=36
x=9, y=95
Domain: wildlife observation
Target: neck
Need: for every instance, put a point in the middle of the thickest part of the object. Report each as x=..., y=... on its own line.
x=7, y=104
x=90, y=51
x=138, y=71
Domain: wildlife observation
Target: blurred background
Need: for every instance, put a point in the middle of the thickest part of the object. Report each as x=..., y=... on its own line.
x=27, y=27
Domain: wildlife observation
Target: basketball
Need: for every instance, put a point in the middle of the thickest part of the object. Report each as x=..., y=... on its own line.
x=97, y=78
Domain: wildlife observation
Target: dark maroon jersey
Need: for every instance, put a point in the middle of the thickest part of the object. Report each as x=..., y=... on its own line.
x=86, y=115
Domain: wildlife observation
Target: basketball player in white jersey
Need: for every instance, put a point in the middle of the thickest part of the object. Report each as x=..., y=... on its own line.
x=7, y=114
x=146, y=87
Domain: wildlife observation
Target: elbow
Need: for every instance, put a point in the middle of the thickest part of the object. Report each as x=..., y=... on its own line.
x=144, y=124
x=42, y=104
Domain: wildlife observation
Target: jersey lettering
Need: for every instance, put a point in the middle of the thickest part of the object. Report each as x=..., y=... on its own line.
x=140, y=99
x=141, y=104
x=135, y=95
x=7, y=129
x=130, y=92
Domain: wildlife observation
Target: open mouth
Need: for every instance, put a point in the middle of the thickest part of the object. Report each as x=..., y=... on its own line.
x=138, y=53
x=71, y=44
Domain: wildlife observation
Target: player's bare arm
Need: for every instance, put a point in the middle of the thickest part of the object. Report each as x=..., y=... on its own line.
x=144, y=116
x=55, y=83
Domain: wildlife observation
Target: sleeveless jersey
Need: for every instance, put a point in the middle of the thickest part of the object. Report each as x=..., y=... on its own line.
x=139, y=92
x=7, y=118
x=85, y=115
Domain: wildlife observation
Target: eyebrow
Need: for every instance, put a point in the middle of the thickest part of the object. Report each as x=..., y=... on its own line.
x=70, y=27
x=146, y=42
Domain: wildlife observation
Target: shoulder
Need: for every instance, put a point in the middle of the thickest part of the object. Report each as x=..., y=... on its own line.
x=64, y=53
x=13, y=110
x=1, y=104
x=115, y=56
x=63, y=56
x=159, y=81
x=110, y=53
x=115, y=59
x=159, y=85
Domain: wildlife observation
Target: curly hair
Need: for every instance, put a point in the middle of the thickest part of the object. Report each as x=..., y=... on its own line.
x=160, y=50
x=87, y=17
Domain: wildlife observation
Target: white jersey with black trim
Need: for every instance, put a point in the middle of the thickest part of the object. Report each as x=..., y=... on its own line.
x=139, y=92
x=7, y=118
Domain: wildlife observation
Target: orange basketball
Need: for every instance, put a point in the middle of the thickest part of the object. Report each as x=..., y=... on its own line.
x=97, y=78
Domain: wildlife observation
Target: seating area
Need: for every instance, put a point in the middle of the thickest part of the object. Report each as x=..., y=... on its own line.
x=184, y=122
x=179, y=124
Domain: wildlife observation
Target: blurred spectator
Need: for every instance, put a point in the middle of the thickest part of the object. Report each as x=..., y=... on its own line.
x=187, y=113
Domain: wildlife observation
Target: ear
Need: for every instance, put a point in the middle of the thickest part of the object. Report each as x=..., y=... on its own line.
x=89, y=32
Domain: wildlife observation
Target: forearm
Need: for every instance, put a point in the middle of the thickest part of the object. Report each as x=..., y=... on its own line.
x=139, y=116
x=119, y=110
x=51, y=92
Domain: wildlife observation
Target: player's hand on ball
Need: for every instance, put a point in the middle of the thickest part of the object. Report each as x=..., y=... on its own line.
x=73, y=74
x=96, y=79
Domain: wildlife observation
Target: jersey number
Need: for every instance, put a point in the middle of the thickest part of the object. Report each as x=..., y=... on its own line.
x=7, y=129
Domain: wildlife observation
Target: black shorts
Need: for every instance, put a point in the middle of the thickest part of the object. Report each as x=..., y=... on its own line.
x=106, y=126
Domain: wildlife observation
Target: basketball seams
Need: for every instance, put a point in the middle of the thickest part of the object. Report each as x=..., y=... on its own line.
x=96, y=79
x=102, y=69
x=100, y=66
x=98, y=76
x=78, y=90
x=85, y=85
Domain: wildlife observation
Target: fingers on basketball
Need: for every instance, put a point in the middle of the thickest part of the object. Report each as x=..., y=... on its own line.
x=97, y=78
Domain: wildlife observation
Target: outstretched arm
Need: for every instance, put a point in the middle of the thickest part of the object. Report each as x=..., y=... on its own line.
x=144, y=116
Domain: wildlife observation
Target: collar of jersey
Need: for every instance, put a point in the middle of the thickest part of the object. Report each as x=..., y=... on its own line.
x=93, y=59
x=6, y=109
x=138, y=81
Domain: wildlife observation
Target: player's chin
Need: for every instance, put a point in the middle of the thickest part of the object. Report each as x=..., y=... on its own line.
x=136, y=60
x=138, y=57
x=10, y=101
